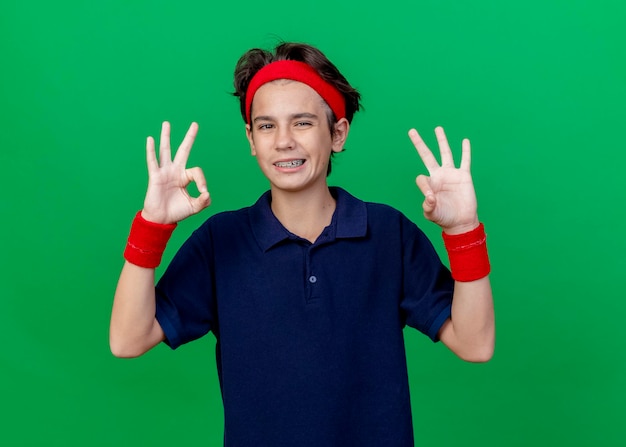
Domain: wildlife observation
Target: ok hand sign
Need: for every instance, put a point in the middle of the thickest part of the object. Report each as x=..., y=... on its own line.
x=449, y=196
x=167, y=199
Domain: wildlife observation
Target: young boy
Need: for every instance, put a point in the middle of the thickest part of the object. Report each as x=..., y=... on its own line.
x=308, y=290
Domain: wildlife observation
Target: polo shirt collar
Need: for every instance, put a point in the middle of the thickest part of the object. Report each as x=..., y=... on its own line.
x=349, y=219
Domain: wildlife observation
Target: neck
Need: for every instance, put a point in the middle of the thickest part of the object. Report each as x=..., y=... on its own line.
x=304, y=213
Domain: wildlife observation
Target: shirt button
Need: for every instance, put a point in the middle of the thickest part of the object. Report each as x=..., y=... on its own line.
x=312, y=279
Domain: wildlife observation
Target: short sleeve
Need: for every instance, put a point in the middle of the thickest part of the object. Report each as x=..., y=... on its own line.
x=427, y=283
x=185, y=304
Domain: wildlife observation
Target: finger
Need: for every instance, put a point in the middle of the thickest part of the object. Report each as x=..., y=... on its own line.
x=151, y=159
x=428, y=205
x=466, y=157
x=444, y=148
x=182, y=154
x=197, y=176
x=201, y=202
x=425, y=154
x=423, y=183
x=204, y=199
x=165, y=153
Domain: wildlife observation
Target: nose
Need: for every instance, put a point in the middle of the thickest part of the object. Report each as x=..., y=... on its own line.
x=284, y=138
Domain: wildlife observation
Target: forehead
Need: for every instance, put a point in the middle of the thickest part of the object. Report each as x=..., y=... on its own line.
x=285, y=94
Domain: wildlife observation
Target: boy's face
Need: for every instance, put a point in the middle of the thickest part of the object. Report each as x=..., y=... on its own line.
x=290, y=137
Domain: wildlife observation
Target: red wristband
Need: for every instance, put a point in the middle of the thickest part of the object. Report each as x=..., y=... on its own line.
x=468, y=255
x=147, y=241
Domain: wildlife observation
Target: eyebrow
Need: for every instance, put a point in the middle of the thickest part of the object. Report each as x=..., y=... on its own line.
x=295, y=116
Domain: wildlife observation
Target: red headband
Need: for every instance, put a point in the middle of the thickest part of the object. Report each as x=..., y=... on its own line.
x=296, y=71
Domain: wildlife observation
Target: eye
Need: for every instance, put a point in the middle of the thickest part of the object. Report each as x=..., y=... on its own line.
x=264, y=126
x=303, y=123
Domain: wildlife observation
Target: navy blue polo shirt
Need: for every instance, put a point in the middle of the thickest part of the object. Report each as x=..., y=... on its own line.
x=310, y=349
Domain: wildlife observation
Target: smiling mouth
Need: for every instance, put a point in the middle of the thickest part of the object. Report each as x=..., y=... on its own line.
x=289, y=164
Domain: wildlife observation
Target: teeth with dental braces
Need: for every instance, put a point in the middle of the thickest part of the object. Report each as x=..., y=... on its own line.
x=289, y=164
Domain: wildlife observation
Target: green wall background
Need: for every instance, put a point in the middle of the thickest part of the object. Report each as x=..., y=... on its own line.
x=538, y=86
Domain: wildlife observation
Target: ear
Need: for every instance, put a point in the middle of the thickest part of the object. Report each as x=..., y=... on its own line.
x=342, y=127
x=250, y=140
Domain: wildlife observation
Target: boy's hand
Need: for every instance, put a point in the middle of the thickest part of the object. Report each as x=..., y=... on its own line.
x=449, y=196
x=167, y=200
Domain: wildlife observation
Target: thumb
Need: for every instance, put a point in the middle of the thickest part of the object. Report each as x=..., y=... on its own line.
x=204, y=199
x=423, y=183
x=201, y=202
